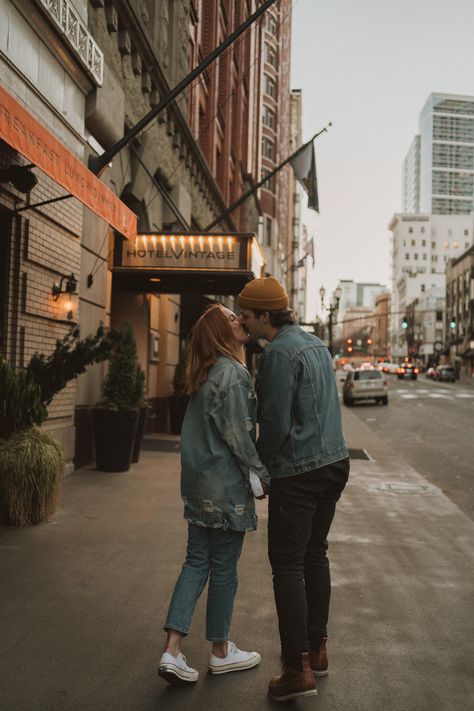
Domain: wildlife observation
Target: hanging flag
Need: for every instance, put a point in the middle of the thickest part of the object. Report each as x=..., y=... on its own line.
x=304, y=165
x=308, y=249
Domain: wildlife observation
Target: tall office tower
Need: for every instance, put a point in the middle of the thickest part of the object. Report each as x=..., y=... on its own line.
x=438, y=171
x=411, y=178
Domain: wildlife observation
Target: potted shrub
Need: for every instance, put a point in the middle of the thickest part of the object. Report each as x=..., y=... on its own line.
x=142, y=413
x=178, y=401
x=31, y=461
x=115, y=417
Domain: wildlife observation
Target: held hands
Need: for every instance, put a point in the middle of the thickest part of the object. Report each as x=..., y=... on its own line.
x=265, y=488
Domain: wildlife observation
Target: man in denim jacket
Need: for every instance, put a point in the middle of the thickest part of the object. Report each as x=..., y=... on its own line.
x=302, y=445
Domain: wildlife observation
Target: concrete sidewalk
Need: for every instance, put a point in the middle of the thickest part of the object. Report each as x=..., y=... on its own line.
x=84, y=596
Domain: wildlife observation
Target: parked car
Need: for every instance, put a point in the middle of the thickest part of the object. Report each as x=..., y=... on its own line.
x=365, y=384
x=445, y=373
x=407, y=371
x=431, y=373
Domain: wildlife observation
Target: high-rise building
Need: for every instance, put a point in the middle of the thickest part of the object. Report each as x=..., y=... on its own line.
x=411, y=178
x=438, y=171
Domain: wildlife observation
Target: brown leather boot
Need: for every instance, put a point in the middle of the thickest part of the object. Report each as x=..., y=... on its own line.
x=318, y=659
x=293, y=684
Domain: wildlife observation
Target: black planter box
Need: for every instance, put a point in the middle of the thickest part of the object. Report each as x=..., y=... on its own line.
x=114, y=437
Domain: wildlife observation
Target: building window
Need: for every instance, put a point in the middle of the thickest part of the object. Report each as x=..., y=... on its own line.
x=450, y=232
x=466, y=245
x=410, y=230
x=422, y=230
x=433, y=271
x=434, y=257
x=415, y=256
x=413, y=243
x=446, y=245
x=272, y=24
x=268, y=148
x=423, y=287
x=268, y=232
x=425, y=256
x=433, y=245
x=270, y=55
x=270, y=184
x=407, y=256
x=270, y=87
x=269, y=117
x=423, y=243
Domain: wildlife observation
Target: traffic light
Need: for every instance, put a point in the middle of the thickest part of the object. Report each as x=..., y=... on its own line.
x=405, y=322
x=369, y=341
x=349, y=341
x=452, y=323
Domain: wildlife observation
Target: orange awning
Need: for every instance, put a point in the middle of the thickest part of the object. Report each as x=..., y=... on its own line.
x=30, y=138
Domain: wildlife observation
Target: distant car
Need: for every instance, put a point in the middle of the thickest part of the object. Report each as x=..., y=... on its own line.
x=365, y=384
x=445, y=373
x=431, y=373
x=407, y=371
x=389, y=368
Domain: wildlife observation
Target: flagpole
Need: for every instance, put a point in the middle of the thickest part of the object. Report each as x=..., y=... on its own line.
x=254, y=189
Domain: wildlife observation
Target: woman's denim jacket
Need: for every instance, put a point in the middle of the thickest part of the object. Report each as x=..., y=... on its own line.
x=218, y=450
x=299, y=414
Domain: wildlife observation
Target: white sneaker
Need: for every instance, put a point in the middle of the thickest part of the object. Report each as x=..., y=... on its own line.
x=235, y=660
x=175, y=670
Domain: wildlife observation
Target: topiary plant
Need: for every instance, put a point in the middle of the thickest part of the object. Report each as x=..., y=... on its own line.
x=122, y=388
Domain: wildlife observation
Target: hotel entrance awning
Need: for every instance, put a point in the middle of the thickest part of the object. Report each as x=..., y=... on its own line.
x=184, y=262
x=30, y=138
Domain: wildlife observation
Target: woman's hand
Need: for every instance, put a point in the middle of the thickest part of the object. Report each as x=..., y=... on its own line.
x=265, y=488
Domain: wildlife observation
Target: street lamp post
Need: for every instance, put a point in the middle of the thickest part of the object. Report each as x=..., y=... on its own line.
x=332, y=310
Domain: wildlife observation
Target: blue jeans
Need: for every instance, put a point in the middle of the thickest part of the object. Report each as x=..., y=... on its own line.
x=211, y=553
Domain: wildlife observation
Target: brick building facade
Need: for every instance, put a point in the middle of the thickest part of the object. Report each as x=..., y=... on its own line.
x=180, y=173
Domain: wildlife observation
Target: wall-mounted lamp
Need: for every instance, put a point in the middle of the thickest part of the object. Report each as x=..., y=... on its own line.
x=20, y=176
x=67, y=286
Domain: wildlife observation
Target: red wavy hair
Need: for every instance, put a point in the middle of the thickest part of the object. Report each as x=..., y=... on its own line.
x=211, y=337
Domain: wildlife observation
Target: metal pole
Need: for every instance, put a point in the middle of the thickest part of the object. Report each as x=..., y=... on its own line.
x=250, y=192
x=331, y=309
x=96, y=163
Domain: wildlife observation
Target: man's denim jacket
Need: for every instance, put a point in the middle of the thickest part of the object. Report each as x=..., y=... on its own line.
x=218, y=450
x=299, y=414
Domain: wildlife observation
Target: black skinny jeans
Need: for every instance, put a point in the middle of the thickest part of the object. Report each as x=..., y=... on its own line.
x=301, y=510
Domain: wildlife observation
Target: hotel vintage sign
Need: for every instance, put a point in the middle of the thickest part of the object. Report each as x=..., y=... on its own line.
x=188, y=252
x=30, y=138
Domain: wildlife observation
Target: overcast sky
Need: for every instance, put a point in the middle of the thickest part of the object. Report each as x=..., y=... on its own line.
x=368, y=66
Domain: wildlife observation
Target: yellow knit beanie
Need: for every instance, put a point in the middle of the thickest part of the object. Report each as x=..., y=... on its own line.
x=265, y=294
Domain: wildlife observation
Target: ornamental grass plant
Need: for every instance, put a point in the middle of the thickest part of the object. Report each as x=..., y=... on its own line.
x=31, y=464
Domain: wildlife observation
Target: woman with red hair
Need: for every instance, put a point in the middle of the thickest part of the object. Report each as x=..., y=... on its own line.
x=221, y=474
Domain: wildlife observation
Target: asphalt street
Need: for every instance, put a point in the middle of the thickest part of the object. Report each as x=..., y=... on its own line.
x=431, y=424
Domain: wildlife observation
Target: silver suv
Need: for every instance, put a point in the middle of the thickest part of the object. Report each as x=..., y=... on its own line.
x=365, y=384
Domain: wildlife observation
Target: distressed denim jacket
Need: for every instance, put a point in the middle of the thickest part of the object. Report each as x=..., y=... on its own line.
x=298, y=405
x=218, y=450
